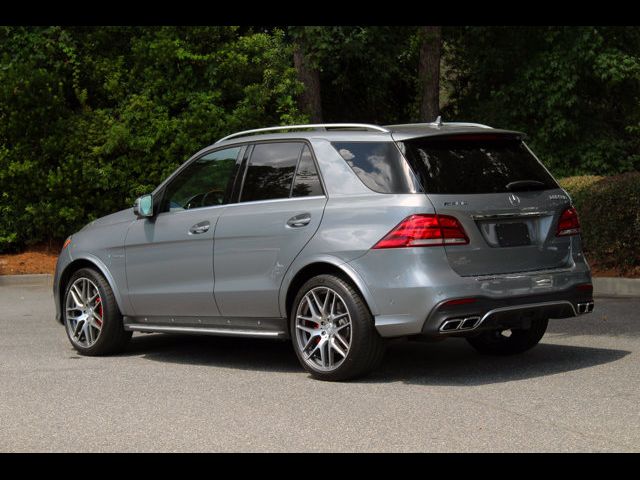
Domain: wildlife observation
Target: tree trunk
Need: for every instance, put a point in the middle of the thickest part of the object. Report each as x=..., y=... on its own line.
x=429, y=72
x=309, y=100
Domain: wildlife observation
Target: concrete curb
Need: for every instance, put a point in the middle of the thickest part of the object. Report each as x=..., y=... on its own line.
x=602, y=286
x=32, y=279
x=616, y=287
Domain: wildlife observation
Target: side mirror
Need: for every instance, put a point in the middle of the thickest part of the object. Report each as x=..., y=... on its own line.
x=143, y=206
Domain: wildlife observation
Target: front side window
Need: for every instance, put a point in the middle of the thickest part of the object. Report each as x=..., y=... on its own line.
x=203, y=183
x=270, y=171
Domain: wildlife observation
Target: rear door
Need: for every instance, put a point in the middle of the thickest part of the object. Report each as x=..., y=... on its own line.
x=280, y=207
x=507, y=202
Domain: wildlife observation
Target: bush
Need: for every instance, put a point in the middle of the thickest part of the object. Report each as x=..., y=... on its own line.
x=609, y=209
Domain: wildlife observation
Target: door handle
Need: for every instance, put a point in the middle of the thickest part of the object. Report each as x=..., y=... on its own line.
x=201, y=227
x=299, y=220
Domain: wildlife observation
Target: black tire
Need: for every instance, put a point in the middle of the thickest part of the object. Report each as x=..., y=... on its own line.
x=366, y=349
x=520, y=340
x=113, y=337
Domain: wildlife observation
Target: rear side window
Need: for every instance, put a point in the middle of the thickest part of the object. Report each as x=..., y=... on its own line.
x=270, y=171
x=475, y=164
x=379, y=165
x=307, y=181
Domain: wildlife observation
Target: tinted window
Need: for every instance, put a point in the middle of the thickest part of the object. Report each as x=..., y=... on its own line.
x=203, y=183
x=379, y=165
x=307, y=181
x=475, y=165
x=270, y=171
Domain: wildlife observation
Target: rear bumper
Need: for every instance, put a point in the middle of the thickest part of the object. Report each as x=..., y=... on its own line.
x=513, y=312
x=409, y=287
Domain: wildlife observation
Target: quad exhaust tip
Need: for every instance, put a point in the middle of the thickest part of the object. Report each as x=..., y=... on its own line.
x=459, y=324
x=586, y=307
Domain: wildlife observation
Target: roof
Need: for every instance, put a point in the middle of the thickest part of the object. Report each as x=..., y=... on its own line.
x=360, y=132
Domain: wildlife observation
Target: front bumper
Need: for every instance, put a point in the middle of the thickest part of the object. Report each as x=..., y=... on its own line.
x=63, y=260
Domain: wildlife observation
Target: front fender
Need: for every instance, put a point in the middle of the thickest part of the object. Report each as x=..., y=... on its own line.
x=82, y=261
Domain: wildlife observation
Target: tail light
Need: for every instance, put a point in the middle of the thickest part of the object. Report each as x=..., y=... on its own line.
x=568, y=223
x=585, y=287
x=425, y=231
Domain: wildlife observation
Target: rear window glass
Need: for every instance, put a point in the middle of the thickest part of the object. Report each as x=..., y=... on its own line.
x=475, y=164
x=379, y=165
x=270, y=172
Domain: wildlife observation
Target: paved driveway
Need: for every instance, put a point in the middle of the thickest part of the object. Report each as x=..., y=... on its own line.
x=579, y=390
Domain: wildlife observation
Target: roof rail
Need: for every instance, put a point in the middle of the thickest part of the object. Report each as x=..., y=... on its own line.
x=324, y=126
x=440, y=123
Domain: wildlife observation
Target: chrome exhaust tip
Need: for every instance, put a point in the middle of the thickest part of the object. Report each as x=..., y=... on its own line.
x=459, y=324
x=586, y=307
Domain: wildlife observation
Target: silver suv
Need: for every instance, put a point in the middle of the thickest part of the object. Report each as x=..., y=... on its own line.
x=338, y=237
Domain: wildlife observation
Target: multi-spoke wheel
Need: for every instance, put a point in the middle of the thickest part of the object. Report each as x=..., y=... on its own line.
x=332, y=330
x=84, y=312
x=510, y=341
x=91, y=315
x=323, y=328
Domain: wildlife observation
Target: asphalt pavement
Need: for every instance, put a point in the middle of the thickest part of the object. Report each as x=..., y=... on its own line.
x=578, y=391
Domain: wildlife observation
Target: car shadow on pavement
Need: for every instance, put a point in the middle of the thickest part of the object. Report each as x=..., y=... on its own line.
x=228, y=352
x=452, y=362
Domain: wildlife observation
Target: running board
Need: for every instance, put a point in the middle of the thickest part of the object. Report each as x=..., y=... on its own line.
x=232, y=332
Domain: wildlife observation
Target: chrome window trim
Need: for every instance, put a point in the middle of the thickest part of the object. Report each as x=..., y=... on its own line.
x=273, y=200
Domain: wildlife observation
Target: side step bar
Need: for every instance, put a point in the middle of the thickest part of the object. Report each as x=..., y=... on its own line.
x=232, y=332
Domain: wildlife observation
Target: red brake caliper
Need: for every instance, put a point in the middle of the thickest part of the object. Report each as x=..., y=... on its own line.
x=312, y=324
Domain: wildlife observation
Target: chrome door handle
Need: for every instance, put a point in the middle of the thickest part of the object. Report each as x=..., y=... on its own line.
x=201, y=227
x=299, y=220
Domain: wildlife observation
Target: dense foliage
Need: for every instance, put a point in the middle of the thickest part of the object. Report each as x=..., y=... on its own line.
x=609, y=212
x=574, y=90
x=91, y=117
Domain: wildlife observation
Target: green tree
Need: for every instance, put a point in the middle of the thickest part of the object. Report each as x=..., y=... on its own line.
x=92, y=117
x=574, y=90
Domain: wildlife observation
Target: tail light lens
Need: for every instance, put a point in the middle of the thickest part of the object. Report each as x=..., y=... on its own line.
x=586, y=288
x=425, y=231
x=568, y=223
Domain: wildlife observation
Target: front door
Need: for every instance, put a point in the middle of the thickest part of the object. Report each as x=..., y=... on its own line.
x=169, y=258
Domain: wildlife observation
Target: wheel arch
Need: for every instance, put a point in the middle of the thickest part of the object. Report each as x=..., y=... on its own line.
x=319, y=267
x=86, y=262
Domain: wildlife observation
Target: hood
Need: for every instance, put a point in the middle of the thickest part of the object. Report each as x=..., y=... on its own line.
x=122, y=216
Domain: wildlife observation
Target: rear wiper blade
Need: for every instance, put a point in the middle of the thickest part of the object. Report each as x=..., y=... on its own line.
x=525, y=185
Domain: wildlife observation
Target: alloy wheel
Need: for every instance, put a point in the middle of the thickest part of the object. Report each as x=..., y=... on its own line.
x=323, y=329
x=84, y=313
